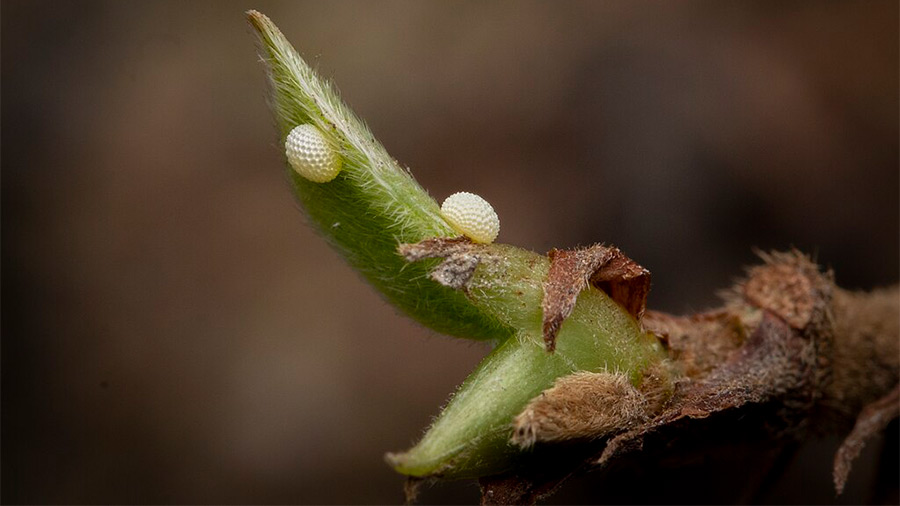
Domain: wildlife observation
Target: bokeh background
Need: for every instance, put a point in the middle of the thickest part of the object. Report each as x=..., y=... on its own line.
x=173, y=331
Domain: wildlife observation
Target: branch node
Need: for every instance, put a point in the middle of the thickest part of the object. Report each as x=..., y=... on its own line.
x=606, y=268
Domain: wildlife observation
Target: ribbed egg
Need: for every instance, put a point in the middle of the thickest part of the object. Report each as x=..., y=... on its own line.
x=310, y=154
x=471, y=216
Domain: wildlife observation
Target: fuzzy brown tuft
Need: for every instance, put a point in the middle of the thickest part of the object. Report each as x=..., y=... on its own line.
x=581, y=405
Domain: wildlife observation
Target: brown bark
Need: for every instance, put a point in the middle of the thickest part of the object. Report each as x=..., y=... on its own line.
x=790, y=347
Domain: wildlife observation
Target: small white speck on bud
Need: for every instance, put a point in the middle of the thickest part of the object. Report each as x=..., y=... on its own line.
x=310, y=154
x=471, y=216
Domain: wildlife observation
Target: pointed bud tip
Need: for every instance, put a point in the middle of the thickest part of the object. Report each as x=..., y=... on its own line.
x=260, y=22
x=256, y=17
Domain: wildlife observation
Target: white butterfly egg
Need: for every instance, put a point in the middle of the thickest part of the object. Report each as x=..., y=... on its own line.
x=471, y=216
x=310, y=154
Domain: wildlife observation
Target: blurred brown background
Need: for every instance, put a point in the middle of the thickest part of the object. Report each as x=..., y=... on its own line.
x=174, y=333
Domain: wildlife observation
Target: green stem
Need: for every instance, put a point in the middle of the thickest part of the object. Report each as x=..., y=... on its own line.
x=471, y=436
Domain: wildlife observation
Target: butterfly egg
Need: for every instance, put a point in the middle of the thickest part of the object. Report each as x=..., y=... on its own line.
x=471, y=216
x=310, y=154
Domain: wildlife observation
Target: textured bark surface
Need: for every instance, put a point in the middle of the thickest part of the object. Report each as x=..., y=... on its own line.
x=788, y=350
x=873, y=419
